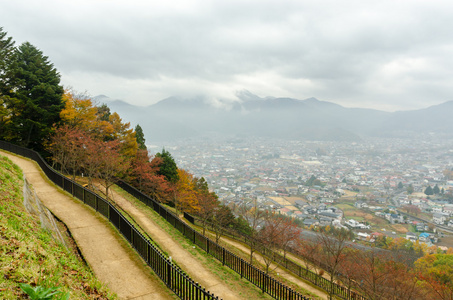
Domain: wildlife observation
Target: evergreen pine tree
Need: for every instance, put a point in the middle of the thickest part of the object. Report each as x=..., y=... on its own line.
x=168, y=167
x=140, y=137
x=6, y=51
x=33, y=96
x=436, y=190
x=429, y=191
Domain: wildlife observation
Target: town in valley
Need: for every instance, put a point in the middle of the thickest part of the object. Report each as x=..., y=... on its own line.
x=396, y=187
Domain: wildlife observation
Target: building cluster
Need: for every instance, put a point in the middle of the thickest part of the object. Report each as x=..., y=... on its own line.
x=379, y=173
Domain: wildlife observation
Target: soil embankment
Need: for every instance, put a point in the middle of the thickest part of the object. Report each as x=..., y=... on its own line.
x=110, y=258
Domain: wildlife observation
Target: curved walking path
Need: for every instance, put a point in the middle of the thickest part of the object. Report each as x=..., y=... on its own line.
x=201, y=274
x=105, y=251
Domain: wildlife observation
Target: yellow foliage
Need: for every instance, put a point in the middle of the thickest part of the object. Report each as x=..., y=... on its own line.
x=124, y=134
x=80, y=113
x=186, y=195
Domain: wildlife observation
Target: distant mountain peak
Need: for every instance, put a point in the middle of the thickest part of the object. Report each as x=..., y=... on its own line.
x=246, y=95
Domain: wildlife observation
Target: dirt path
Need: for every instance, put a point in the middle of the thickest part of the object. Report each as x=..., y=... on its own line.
x=282, y=273
x=208, y=279
x=102, y=247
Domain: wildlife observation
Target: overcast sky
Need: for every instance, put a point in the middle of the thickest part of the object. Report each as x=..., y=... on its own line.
x=389, y=55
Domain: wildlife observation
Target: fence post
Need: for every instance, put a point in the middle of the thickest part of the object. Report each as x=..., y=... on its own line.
x=168, y=274
x=223, y=256
x=242, y=267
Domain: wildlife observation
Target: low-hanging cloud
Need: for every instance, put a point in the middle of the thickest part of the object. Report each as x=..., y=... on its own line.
x=388, y=55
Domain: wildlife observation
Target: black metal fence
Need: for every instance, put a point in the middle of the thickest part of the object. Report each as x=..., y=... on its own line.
x=176, y=280
x=237, y=264
x=259, y=278
x=336, y=289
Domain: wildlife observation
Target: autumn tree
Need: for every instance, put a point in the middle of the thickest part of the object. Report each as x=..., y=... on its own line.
x=404, y=251
x=208, y=202
x=112, y=163
x=310, y=250
x=125, y=135
x=377, y=276
x=436, y=273
x=334, y=244
x=79, y=112
x=255, y=217
x=68, y=147
x=223, y=218
x=277, y=234
x=290, y=235
x=143, y=175
x=140, y=167
x=269, y=238
x=186, y=195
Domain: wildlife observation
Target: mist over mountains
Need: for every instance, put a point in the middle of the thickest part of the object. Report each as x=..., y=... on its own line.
x=286, y=118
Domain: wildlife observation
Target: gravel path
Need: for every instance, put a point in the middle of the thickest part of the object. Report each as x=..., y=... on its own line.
x=105, y=251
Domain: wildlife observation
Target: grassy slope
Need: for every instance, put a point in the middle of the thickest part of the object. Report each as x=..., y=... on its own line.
x=28, y=253
x=247, y=289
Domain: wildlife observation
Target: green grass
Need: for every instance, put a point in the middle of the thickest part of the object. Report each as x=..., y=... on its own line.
x=29, y=254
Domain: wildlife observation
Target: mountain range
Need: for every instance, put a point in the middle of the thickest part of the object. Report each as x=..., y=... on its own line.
x=287, y=118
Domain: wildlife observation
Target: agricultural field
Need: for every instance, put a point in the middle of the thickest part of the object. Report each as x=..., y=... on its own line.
x=293, y=200
x=282, y=201
x=377, y=223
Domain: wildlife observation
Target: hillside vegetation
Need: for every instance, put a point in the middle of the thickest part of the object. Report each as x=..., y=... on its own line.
x=30, y=255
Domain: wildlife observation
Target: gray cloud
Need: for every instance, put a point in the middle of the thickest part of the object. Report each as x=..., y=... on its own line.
x=388, y=55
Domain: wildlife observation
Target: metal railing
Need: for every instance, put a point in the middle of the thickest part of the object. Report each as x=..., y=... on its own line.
x=175, y=279
x=298, y=270
x=256, y=276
